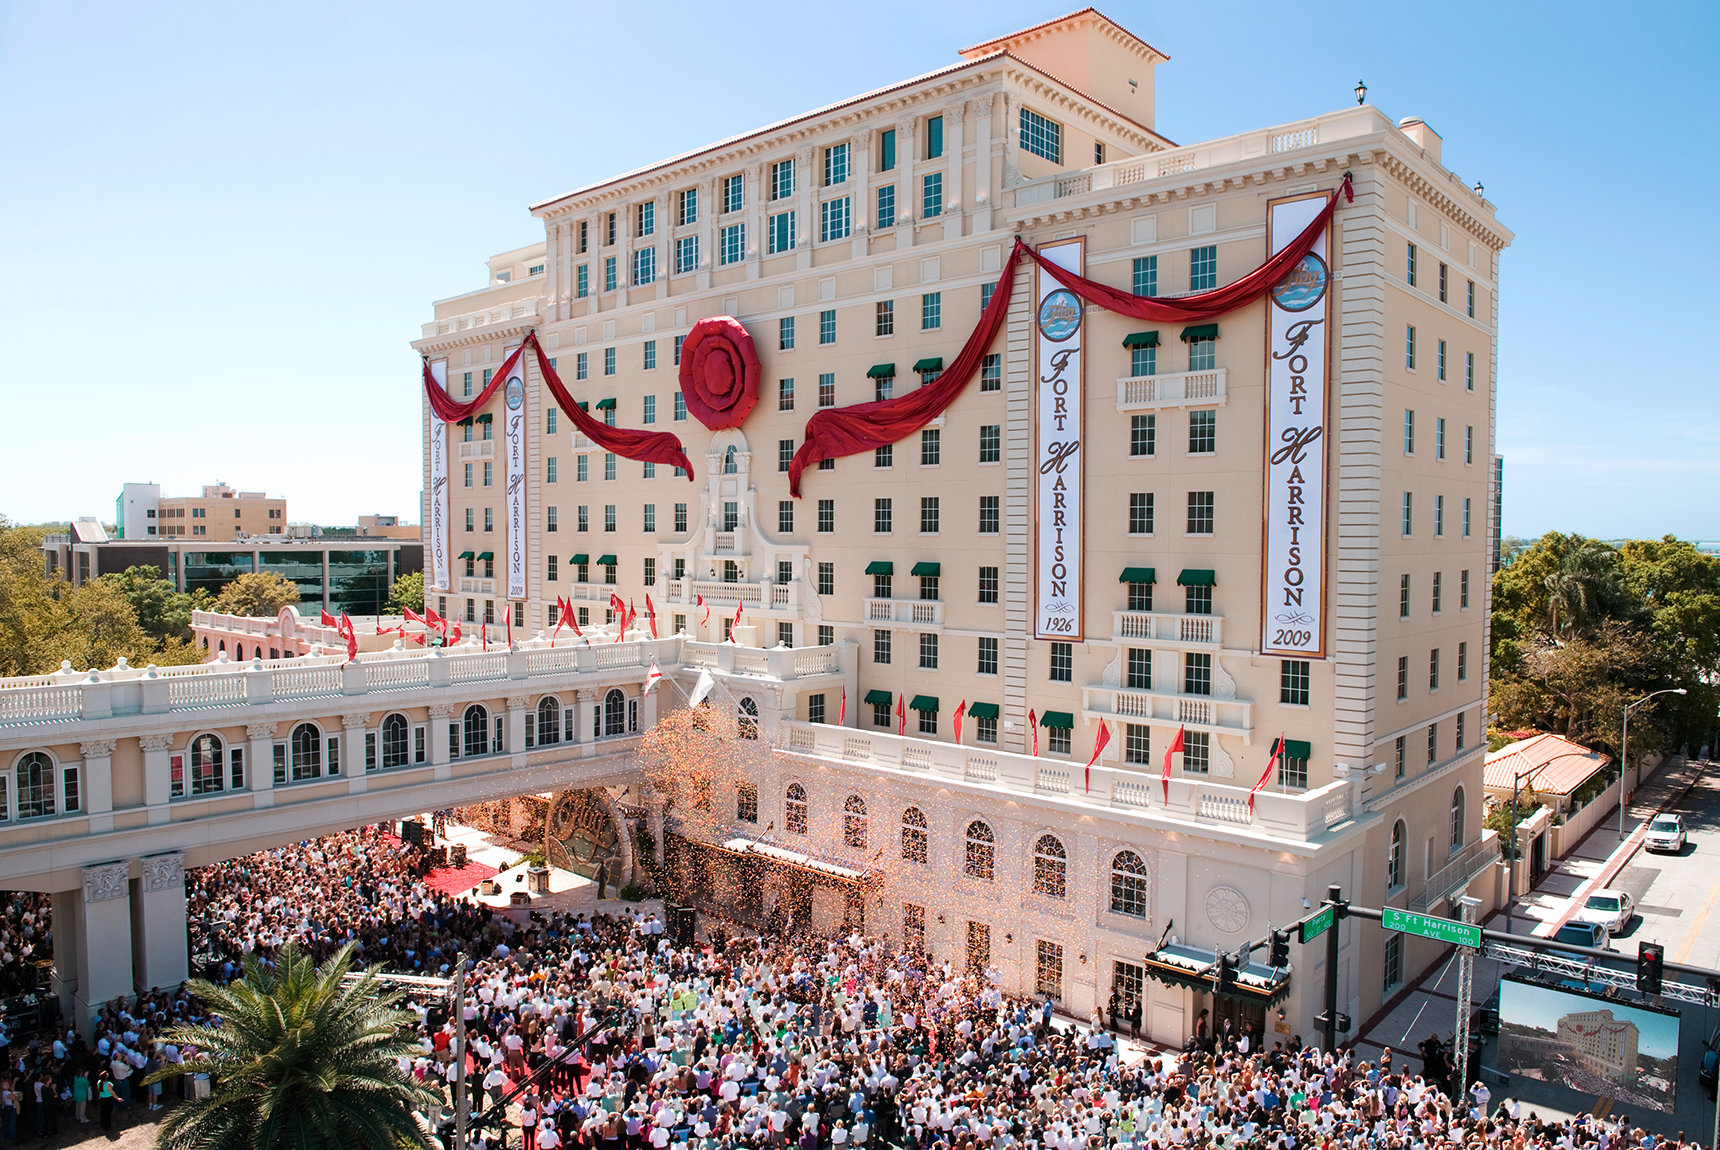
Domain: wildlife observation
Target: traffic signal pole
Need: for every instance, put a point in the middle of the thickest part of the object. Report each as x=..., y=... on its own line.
x=1334, y=899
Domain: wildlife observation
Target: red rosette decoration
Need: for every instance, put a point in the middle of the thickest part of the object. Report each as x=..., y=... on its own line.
x=719, y=372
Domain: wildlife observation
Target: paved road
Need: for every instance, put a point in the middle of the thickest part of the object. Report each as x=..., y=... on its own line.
x=1678, y=896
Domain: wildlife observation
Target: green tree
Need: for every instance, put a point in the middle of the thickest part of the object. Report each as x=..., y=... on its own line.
x=257, y=594
x=1500, y=818
x=408, y=591
x=299, y=1060
x=29, y=607
x=162, y=610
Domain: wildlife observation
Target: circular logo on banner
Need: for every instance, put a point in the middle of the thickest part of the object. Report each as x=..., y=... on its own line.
x=1304, y=286
x=1060, y=315
x=515, y=394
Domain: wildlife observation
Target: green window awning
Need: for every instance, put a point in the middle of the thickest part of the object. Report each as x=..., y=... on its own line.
x=606, y=560
x=1138, y=575
x=1196, y=577
x=925, y=703
x=486, y=555
x=930, y=363
x=924, y=569
x=606, y=404
x=584, y=405
x=484, y=418
x=467, y=422
x=581, y=559
x=983, y=710
x=1061, y=720
x=881, y=371
x=880, y=567
x=1297, y=749
x=880, y=698
x=1141, y=339
x=464, y=555
x=1200, y=331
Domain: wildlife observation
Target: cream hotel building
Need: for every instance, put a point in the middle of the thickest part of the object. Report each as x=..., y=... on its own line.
x=857, y=244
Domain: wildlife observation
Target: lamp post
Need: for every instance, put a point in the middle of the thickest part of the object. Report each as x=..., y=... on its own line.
x=1511, y=886
x=1361, y=92
x=1624, y=748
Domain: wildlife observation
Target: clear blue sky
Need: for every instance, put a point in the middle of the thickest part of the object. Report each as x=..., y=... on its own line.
x=221, y=224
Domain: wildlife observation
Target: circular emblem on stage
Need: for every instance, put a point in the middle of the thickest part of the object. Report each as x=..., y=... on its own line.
x=1227, y=909
x=719, y=372
x=1304, y=286
x=1060, y=315
x=515, y=393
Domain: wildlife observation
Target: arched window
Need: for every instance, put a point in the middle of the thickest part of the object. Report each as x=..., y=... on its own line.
x=205, y=764
x=1395, y=861
x=854, y=822
x=223, y=645
x=914, y=835
x=1457, y=818
x=548, y=721
x=1050, y=867
x=396, y=739
x=306, y=746
x=476, y=728
x=35, y=773
x=981, y=851
x=615, y=713
x=794, y=817
x=205, y=642
x=730, y=463
x=748, y=720
x=1128, y=884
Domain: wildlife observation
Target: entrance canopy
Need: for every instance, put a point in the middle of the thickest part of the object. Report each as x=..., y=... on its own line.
x=749, y=846
x=1197, y=968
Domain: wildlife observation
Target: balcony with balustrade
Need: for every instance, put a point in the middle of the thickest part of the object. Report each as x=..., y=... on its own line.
x=920, y=614
x=1175, y=389
x=1168, y=629
x=1216, y=714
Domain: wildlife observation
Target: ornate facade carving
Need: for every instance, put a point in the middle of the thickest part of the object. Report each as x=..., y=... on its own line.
x=1112, y=675
x=96, y=749
x=110, y=880
x=354, y=723
x=441, y=711
x=518, y=702
x=163, y=872
x=1222, y=767
x=260, y=730
x=155, y=742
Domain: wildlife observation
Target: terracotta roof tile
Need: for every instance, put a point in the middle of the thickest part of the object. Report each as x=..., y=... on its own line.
x=1559, y=766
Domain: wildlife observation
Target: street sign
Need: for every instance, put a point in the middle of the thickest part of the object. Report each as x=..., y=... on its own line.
x=1315, y=925
x=1427, y=926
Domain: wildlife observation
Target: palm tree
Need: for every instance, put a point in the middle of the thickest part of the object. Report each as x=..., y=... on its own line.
x=299, y=1058
x=1575, y=589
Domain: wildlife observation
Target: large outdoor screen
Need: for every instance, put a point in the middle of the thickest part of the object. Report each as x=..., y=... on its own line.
x=1589, y=1043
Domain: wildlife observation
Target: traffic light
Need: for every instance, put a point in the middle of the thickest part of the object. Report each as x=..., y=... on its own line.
x=1280, y=948
x=1343, y=1023
x=1650, y=967
x=1226, y=970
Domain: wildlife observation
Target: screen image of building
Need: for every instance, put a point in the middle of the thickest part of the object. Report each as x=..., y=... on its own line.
x=1604, y=1044
x=1264, y=536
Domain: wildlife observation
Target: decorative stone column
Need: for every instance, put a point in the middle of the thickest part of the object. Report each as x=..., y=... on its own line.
x=156, y=782
x=261, y=767
x=97, y=775
x=589, y=724
x=519, y=715
x=352, y=744
x=158, y=936
x=439, y=716
x=92, y=942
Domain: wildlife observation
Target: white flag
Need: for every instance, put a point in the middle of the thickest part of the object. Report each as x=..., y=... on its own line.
x=652, y=678
x=703, y=687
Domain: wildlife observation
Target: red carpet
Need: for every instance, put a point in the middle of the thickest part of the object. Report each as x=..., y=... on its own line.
x=459, y=880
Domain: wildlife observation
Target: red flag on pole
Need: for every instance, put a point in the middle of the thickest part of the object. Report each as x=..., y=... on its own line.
x=1033, y=722
x=1271, y=762
x=455, y=637
x=961, y=710
x=572, y=618
x=510, y=623
x=345, y=628
x=560, y=618
x=739, y=607
x=329, y=620
x=484, y=634
x=652, y=678
x=842, y=712
x=431, y=619
x=1099, y=743
x=651, y=613
x=414, y=617
x=901, y=715
x=418, y=639
x=1175, y=748
x=705, y=619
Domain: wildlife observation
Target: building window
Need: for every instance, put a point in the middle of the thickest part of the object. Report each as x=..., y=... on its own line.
x=1050, y=867
x=928, y=723
x=732, y=244
x=1460, y=728
x=1392, y=973
x=1438, y=593
x=1197, y=674
x=1200, y=516
x=645, y=266
x=1401, y=755
x=990, y=442
x=1454, y=827
x=1128, y=885
x=36, y=786
x=1040, y=136
x=1466, y=516
x=884, y=317
x=608, y=369
x=1444, y=281
x=886, y=207
x=1469, y=371
x=988, y=584
x=687, y=207
x=1057, y=740
x=1396, y=860
x=1143, y=435
x=610, y=278
x=1408, y=432
x=929, y=651
x=880, y=638
x=1438, y=516
x=1140, y=513
x=932, y=196
x=1062, y=662
x=746, y=803
x=1140, y=669
x=1202, y=432
x=913, y=833
x=1471, y=299
x=1146, y=278
x=1440, y=365
x=928, y=515
x=785, y=516
x=826, y=516
x=835, y=165
x=1292, y=769
x=1202, y=354
x=1403, y=596
x=835, y=219
x=881, y=516
x=827, y=389
x=985, y=729
x=582, y=285
x=1408, y=512
x=1294, y=682
x=987, y=655
x=1137, y=744
x=934, y=137
x=854, y=822
x=1433, y=669
x=913, y=928
x=1409, y=346
x=734, y=193
x=826, y=327
x=1409, y=265
x=680, y=414
x=794, y=818
x=991, y=373
x=1403, y=678
x=1432, y=743
x=1462, y=662
x=931, y=311
x=980, y=852
x=1203, y=268
x=1048, y=968
x=779, y=233
x=931, y=447
x=582, y=365
x=988, y=515
x=1143, y=361
x=1197, y=753
x=827, y=578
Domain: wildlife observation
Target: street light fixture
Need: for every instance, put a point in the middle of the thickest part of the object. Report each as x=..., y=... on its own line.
x=1624, y=748
x=1361, y=92
x=1511, y=881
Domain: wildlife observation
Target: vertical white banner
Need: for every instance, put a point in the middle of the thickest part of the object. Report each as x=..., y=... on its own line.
x=439, y=486
x=514, y=417
x=1293, y=549
x=1058, y=397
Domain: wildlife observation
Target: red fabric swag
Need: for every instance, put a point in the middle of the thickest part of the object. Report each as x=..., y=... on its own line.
x=1202, y=305
x=452, y=410
x=839, y=431
x=645, y=446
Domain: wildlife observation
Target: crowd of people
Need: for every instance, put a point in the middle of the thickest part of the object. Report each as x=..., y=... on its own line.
x=601, y=1031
